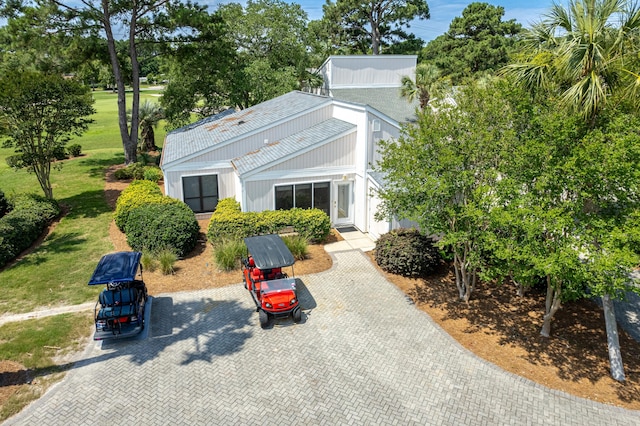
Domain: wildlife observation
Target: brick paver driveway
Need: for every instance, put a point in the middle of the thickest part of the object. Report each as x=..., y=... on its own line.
x=363, y=355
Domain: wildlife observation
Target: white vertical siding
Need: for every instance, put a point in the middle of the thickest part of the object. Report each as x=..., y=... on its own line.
x=226, y=181
x=341, y=152
x=375, y=228
x=387, y=131
x=367, y=70
x=260, y=193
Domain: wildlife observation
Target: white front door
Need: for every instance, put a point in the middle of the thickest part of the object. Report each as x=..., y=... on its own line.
x=343, y=203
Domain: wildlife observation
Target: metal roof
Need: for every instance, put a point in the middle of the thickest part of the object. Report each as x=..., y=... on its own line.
x=387, y=100
x=276, y=151
x=209, y=132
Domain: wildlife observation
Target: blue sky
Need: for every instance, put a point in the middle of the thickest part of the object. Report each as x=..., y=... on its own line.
x=442, y=12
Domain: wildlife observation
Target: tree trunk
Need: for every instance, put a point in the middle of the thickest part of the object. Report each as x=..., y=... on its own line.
x=375, y=36
x=520, y=289
x=129, y=144
x=465, y=279
x=135, y=83
x=615, y=357
x=43, y=174
x=149, y=138
x=552, y=304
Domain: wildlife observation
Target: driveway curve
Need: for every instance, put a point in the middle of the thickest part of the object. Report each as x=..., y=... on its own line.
x=363, y=355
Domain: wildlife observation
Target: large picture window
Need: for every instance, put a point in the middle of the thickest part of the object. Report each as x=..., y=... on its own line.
x=201, y=192
x=304, y=196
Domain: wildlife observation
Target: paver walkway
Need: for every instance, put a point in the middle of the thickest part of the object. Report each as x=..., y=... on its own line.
x=363, y=355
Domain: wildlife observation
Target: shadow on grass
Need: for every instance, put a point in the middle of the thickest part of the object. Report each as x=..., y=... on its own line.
x=56, y=243
x=98, y=166
x=88, y=204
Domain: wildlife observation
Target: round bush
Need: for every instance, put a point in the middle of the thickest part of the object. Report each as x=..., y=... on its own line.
x=407, y=252
x=74, y=150
x=155, y=227
x=152, y=173
x=138, y=193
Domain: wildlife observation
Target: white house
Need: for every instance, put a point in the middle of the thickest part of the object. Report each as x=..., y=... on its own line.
x=299, y=149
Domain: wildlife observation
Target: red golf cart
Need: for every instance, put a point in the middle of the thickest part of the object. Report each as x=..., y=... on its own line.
x=273, y=292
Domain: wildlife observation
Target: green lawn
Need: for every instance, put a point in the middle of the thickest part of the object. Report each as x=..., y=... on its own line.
x=37, y=345
x=56, y=273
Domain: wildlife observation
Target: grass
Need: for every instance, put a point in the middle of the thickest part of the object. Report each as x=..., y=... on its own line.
x=57, y=271
x=38, y=345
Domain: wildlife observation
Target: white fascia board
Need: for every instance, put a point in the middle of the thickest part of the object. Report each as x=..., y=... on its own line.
x=226, y=164
x=370, y=56
x=301, y=174
x=248, y=134
x=365, y=86
x=247, y=176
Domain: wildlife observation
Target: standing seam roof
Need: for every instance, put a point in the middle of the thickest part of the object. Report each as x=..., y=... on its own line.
x=276, y=151
x=205, y=134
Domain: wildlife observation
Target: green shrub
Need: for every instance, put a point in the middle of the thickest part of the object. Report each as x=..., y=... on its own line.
x=152, y=173
x=228, y=222
x=227, y=254
x=132, y=171
x=74, y=150
x=158, y=226
x=4, y=204
x=20, y=227
x=148, y=159
x=407, y=252
x=138, y=193
x=15, y=161
x=166, y=258
x=297, y=245
x=139, y=171
x=313, y=224
x=59, y=153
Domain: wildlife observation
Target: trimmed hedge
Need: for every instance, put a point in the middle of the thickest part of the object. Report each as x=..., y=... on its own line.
x=138, y=193
x=155, y=227
x=20, y=227
x=228, y=222
x=407, y=252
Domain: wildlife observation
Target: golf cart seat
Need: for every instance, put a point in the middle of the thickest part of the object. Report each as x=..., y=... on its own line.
x=125, y=296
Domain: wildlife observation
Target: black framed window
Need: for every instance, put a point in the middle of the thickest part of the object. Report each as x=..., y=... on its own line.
x=200, y=192
x=304, y=196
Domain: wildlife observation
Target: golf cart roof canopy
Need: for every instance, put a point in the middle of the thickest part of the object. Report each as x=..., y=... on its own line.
x=116, y=268
x=269, y=251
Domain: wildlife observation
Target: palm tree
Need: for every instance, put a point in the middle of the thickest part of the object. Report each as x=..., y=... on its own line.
x=426, y=83
x=150, y=115
x=582, y=50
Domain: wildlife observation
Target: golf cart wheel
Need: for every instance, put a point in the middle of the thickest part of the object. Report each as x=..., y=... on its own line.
x=297, y=315
x=264, y=318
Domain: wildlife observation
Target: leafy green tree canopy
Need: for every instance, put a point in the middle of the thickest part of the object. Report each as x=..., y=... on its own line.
x=478, y=41
x=39, y=113
x=365, y=27
x=583, y=52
